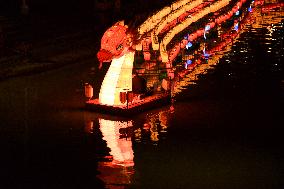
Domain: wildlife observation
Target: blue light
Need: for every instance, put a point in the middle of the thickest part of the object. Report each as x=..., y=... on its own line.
x=188, y=45
x=188, y=62
x=249, y=9
x=206, y=55
x=236, y=26
x=237, y=13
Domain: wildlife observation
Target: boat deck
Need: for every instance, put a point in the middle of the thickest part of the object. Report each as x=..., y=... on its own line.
x=133, y=108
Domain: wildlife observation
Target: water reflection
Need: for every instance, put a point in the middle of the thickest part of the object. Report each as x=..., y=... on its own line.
x=116, y=165
x=117, y=169
x=120, y=147
x=156, y=124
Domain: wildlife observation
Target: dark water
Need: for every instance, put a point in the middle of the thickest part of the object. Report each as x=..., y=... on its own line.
x=222, y=132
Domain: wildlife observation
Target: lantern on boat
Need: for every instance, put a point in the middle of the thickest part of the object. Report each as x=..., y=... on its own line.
x=88, y=90
x=199, y=32
x=138, y=47
x=155, y=43
x=183, y=43
x=171, y=75
x=212, y=24
x=218, y=20
x=230, y=13
x=122, y=97
x=130, y=96
x=235, y=9
x=226, y=17
x=147, y=56
x=239, y=4
x=166, y=85
x=192, y=36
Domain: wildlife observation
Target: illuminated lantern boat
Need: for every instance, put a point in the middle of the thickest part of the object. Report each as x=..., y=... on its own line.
x=123, y=48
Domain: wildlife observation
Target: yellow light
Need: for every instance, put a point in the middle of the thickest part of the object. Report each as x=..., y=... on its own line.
x=117, y=79
x=164, y=54
x=169, y=18
x=153, y=20
x=155, y=43
x=138, y=47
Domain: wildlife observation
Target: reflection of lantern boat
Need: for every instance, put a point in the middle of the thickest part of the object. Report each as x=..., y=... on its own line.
x=121, y=148
x=156, y=65
x=120, y=169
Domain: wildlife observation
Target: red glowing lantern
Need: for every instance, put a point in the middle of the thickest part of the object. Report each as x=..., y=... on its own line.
x=218, y=20
x=192, y=37
x=226, y=17
x=183, y=16
x=88, y=91
x=239, y=4
x=212, y=24
x=235, y=9
x=130, y=96
x=200, y=32
x=122, y=97
x=177, y=48
x=166, y=84
x=191, y=66
x=146, y=126
x=147, y=56
x=183, y=43
x=171, y=75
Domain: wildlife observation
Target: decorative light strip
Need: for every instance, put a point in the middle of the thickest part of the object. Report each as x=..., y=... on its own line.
x=177, y=29
x=175, y=15
x=175, y=50
x=152, y=21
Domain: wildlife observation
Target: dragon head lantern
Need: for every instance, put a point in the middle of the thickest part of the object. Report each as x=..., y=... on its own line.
x=115, y=42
